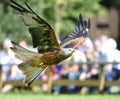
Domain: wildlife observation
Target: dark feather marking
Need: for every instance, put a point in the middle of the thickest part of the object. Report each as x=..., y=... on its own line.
x=18, y=7
x=80, y=30
x=88, y=25
x=29, y=8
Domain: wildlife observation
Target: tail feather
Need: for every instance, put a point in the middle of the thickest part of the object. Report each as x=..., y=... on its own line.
x=30, y=72
x=30, y=78
x=22, y=53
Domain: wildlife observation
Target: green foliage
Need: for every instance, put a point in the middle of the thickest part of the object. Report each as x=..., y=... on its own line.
x=67, y=13
x=11, y=26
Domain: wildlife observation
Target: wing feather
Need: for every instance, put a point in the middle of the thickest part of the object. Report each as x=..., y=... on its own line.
x=78, y=35
x=42, y=33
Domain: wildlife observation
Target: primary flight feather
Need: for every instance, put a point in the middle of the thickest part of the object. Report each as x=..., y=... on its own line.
x=50, y=52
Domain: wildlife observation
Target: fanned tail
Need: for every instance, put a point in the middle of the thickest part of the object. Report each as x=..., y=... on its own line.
x=30, y=72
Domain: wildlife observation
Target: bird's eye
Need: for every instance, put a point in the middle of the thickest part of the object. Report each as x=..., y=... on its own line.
x=69, y=49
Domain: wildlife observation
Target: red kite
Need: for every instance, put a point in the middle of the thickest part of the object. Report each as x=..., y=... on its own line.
x=50, y=52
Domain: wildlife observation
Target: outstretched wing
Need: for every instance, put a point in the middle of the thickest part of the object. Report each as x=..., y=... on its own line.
x=43, y=35
x=78, y=35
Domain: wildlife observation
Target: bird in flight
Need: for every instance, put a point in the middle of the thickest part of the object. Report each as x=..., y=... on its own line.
x=50, y=51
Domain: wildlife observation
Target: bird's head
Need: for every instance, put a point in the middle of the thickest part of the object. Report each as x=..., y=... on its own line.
x=68, y=51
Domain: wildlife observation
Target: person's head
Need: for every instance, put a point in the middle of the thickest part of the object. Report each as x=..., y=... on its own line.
x=6, y=45
x=87, y=43
x=22, y=43
x=103, y=38
x=110, y=43
x=97, y=45
x=89, y=54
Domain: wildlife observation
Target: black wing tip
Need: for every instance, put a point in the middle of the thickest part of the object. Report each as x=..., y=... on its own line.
x=86, y=24
x=13, y=45
x=11, y=48
x=29, y=7
x=80, y=15
x=10, y=2
x=81, y=18
x=17, y=6
x=89, y=23
x=13, y=42
x=28, y=83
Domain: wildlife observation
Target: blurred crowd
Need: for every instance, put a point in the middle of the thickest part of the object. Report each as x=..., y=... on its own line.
x=102, y=49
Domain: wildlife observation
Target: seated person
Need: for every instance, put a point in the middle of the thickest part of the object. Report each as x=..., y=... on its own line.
x=71, y=70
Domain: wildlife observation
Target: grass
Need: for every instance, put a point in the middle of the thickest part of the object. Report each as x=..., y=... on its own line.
x=40, y=96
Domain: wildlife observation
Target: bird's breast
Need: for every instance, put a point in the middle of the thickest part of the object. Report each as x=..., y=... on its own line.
x=48, y=58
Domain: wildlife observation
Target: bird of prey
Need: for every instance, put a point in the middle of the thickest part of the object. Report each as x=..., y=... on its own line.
x=50, y=51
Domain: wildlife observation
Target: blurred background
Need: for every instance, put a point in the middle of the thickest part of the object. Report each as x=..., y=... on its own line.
x=104, y=16
x=102, y=45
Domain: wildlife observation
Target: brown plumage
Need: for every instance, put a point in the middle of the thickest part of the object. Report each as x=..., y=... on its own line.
x=50, y=52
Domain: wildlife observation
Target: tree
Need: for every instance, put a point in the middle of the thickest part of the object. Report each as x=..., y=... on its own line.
x=61, y=14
